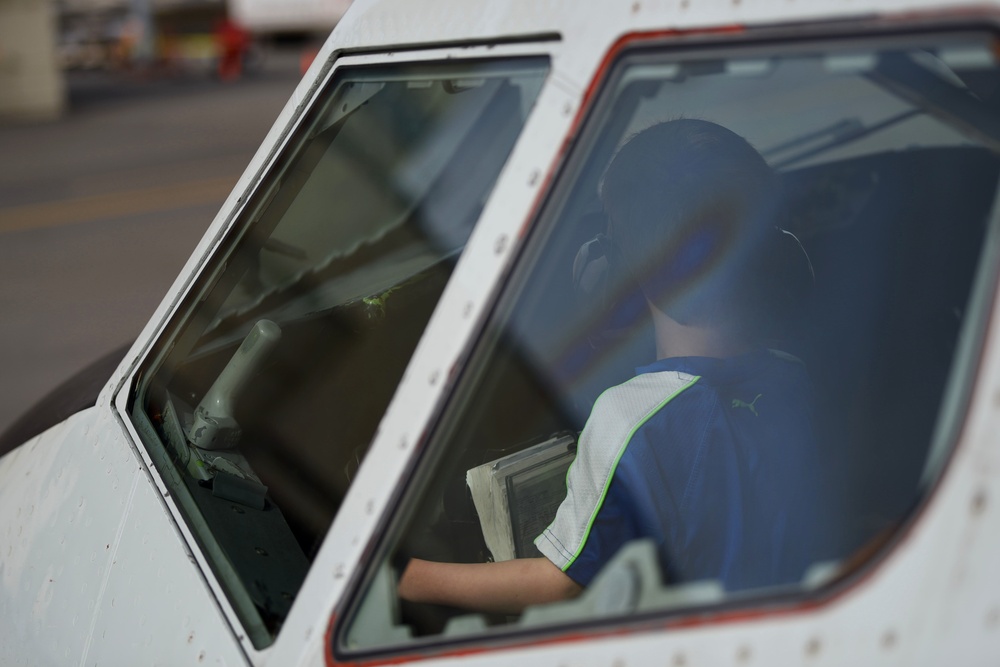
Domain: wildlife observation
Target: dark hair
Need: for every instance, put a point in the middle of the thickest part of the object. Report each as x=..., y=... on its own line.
x=691, y=215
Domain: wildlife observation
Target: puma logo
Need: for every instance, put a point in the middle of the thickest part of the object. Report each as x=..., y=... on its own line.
x=737, y=403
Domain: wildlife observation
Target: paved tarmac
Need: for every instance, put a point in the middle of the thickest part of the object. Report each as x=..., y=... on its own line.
x=100, y=210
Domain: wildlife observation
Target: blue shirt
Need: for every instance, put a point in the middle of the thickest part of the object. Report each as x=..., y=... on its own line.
x=713, y=459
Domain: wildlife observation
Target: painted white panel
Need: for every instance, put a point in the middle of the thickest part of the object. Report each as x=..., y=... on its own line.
x=61, y=504
x=92, y=569
x=156, y=609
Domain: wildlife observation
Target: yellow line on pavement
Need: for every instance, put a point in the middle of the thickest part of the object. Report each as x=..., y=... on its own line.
x=116, y=204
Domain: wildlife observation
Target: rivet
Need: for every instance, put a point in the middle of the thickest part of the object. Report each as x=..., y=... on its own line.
x=338, y=572
x=743, y=654
x=813, y=646
x=434, y=378
x=402, y=442
x=533, y=179
x=979, y=502
x=679, y=660
x=501, y=244
x=567, y=109
x=636, y=7
x=993, y=618
x=467, y=309
x=888, y=639
x=370, y=507
x=237, y=509
x=260, y=551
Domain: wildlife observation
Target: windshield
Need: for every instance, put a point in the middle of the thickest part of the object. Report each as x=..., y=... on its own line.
x=714, y=378
x=263, y=398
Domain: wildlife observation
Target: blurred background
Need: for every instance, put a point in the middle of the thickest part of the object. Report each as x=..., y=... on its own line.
x=124, y=124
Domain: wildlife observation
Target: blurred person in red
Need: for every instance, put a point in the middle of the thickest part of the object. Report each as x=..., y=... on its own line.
x=231, y=43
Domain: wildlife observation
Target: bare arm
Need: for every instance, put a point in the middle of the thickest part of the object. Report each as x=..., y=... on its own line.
x=506, y=587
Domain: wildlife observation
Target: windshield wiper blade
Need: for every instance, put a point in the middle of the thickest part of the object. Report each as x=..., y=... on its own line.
x=847, y=135
x=836, y=130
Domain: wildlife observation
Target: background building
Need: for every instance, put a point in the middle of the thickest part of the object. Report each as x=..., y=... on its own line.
x=31, y=84
x=39, y=39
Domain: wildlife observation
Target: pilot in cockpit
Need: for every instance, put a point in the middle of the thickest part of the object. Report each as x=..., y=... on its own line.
x=709, y=450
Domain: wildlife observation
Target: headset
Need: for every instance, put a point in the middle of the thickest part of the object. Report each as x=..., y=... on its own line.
x=606, y=288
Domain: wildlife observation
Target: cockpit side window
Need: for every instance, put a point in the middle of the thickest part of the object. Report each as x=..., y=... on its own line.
x=260, y=403
x=724, y=363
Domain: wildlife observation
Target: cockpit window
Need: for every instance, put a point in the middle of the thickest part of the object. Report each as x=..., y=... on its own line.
x=731, y=357
x=260, y=404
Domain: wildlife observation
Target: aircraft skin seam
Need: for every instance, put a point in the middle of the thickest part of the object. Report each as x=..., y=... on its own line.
x=106, y=578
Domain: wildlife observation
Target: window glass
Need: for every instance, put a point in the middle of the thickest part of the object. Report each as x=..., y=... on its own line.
x=720, y=364
x=260, y=405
